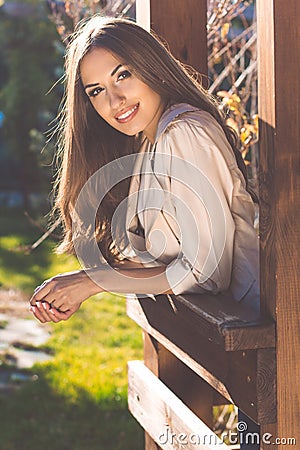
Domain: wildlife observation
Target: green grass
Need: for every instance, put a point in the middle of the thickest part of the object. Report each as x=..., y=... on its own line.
x=78, y=401
x=99, y=340
x=22, y=269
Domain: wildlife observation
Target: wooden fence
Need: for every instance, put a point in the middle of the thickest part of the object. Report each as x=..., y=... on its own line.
x=199, y=352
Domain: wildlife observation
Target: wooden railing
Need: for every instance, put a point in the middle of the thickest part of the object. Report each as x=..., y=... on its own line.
x=216, y=339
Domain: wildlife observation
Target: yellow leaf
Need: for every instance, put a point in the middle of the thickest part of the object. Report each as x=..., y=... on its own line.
x=224, y=30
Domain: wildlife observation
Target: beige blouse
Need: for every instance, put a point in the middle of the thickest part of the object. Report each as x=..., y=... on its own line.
x=188, y=208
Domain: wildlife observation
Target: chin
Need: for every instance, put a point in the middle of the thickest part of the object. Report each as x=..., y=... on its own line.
x=130, y=133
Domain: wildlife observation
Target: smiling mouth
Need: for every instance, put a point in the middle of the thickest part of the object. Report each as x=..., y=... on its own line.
x=127, y=115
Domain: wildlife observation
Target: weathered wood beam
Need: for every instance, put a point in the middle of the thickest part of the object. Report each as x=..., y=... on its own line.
x=279, y=99
x=166, y=418
x=219, y=320
x=182, y=24
x=187, y=386
x=245, y=378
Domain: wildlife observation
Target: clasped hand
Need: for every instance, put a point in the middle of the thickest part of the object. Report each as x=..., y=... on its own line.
x=61, y=296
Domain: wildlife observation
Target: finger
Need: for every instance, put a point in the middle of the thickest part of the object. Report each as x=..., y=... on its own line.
x=61, y=302
x=44, y=295
x=55, y=297
x=42, y=292
x=37, y=313
x=57, y=315
x=44, y=311
x=60, y=315
x=48, y=312
x=62, y=307
x=59, y=305
x=54, y=314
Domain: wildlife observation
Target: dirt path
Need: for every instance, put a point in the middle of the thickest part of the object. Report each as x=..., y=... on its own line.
x=14, y=302
x=20, y=336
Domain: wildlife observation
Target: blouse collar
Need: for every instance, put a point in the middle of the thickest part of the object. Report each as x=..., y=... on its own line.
x=171, y=114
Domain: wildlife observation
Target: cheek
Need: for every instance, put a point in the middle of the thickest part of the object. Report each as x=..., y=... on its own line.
x=100, y=108
x=153, y=98
x=155, y=103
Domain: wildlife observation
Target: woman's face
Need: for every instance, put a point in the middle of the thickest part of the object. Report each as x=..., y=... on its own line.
x=121, y=99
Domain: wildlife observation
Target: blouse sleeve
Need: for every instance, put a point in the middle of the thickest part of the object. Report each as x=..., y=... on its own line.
x=197, y=160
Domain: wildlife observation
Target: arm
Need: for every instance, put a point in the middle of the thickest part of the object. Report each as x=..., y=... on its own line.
x=200, y=182
x=58, y=298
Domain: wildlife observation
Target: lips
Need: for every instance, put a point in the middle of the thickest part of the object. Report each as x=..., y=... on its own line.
x=127, y=114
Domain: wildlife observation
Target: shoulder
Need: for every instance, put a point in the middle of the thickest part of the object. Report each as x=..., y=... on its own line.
x=182, y=114
x=189, y=122
x=185, y=129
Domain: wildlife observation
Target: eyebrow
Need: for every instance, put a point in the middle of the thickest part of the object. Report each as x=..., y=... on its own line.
x=115, y=70
x=112, y=74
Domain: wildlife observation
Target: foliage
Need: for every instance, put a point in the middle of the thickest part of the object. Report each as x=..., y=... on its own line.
x=232, y=64
x=67, y=13
x=31, y=59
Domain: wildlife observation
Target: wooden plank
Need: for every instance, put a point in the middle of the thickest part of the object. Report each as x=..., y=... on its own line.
x=166, y=419
x=248, y=337
x=150, y=443
x=228, y=323
x=232, y=374
x=268, y=433
x=187, y=386
x=191, y=26
x=142, y=16
x=150, y=353
x=182, y=340
x=152, y=363
x=251, y=381
x=279, y=99
x=241, y=381
x=183, y=25
x=266, y=385
x=219, y=319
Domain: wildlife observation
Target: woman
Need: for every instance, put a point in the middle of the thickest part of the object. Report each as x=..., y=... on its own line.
x=189, y=215
x=152, y=190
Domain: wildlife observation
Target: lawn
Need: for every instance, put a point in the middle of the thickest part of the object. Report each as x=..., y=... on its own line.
x=77, y=400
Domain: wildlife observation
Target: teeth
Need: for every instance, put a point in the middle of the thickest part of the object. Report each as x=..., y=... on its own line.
x=127, y=114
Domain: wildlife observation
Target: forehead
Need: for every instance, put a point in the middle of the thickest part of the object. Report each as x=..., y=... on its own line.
x=97, y=63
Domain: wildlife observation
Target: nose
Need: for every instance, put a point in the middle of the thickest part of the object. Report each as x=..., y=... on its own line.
x=116, y=98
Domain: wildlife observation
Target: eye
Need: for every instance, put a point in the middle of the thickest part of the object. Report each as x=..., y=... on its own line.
x=95, y=92
x=124, y=74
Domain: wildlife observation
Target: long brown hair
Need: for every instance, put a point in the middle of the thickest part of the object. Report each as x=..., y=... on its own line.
x=87, y=142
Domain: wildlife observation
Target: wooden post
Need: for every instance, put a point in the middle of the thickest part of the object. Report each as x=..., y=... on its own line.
x=151, y=361
x=186, y=384
x=183, y=25
x=279, y=100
